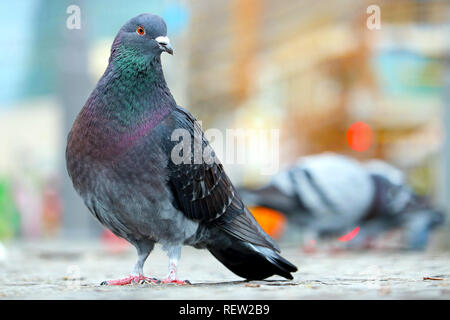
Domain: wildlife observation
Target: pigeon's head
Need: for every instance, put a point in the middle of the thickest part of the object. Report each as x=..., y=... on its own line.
x=145, y=34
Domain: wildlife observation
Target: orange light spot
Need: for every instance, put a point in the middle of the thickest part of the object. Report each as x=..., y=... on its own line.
x=272, y=221
x=359, y=136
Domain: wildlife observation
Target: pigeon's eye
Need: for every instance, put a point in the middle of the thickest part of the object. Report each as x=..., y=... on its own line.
x=140, y=30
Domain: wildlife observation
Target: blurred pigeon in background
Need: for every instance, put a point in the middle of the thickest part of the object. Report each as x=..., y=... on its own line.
x=329, y=194
x=121, y=159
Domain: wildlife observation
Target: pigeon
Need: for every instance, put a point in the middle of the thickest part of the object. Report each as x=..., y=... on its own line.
x=124, y=163
x=326, y=192
x=330, y=194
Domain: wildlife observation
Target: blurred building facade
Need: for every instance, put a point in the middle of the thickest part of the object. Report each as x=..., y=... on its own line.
x=307, y=68
x=312, y=68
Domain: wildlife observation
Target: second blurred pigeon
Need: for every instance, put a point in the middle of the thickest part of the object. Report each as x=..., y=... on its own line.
x=330, y=194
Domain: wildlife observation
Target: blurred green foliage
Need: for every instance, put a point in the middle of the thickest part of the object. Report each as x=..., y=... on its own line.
x=9, y=215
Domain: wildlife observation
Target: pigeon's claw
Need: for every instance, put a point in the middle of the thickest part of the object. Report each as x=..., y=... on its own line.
x=174, y=256
x=175, y=281
x=132, y=279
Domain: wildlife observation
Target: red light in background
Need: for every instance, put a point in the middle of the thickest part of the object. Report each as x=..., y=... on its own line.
x=349, y=236
x=359, y=136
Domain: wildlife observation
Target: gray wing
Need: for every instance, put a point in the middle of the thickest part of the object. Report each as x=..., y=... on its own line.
x=203, y=192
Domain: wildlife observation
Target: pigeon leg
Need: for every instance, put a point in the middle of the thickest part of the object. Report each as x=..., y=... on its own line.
x=174, y=254
x=137, y=275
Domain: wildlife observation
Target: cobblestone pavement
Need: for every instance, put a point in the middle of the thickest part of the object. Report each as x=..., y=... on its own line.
x=74, y=271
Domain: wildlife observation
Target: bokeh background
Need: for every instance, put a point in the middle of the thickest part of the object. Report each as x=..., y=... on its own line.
x=308, y=68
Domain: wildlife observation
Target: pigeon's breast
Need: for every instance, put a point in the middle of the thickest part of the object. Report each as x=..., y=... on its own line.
x=129, y=194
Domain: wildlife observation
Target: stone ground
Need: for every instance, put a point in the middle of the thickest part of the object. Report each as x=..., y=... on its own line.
x=57, y=270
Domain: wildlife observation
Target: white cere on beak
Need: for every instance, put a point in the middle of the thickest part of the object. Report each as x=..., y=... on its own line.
x=164, y=44
x=163, y=40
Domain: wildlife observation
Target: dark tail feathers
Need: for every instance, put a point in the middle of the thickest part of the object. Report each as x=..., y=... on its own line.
x=252, y=262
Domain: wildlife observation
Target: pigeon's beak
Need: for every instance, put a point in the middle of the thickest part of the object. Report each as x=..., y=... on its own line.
x=164, y=44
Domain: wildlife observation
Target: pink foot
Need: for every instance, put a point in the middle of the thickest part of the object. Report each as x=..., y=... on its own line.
x=130, y=280
x=175, y=281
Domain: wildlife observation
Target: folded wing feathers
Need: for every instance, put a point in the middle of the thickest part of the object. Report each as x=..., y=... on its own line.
x=204, y=192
